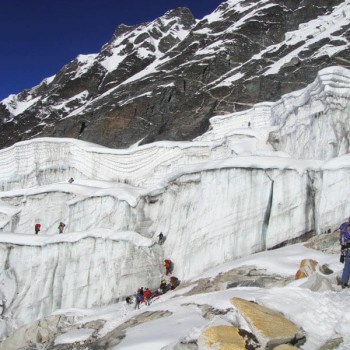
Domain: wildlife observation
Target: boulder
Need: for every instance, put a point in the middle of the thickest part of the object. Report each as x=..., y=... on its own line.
x=326, y=270
x=319, y=283
x=307, y=268
x=327, y=243
x=40, y=332
x=285, y=347
x=221, y=338
x=332, y=344
x=270, y=327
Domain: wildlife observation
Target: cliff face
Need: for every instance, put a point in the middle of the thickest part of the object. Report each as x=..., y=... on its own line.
x=163, y=80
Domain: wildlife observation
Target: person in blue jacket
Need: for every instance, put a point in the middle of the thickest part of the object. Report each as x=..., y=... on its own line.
x=344, y=240
x=138, y=300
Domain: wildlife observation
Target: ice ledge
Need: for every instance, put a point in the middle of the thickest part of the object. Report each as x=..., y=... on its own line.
x=73, y=237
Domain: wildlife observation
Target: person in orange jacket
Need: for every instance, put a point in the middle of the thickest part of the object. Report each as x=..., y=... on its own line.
x=169, y=266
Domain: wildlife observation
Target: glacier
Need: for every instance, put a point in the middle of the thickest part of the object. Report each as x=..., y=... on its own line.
x=255, y=180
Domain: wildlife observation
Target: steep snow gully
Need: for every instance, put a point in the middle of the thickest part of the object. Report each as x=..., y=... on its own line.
x=255, y=180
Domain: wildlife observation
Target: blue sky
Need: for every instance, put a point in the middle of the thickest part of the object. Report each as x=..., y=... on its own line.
x=38, y=37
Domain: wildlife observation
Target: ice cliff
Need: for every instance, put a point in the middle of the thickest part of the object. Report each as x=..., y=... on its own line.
x=254, y=180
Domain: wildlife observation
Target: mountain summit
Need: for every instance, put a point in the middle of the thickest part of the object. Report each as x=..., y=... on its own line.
x=166, y=78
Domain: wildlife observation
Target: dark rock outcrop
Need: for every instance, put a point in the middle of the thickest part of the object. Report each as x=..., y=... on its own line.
x=165, y=79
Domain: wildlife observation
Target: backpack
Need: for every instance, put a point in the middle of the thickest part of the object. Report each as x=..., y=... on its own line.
x=344, y=234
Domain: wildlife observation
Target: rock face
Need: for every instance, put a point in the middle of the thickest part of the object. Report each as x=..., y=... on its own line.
x=42, y=332
x=46, y=333
x=165, y=79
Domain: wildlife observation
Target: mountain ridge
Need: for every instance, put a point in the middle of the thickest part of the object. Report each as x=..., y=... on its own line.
x=164, y=79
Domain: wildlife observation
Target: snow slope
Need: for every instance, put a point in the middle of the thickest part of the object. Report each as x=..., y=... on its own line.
x=321, y=314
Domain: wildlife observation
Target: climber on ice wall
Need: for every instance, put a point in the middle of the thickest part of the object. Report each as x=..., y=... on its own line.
x=37, y=228
x=169, y=266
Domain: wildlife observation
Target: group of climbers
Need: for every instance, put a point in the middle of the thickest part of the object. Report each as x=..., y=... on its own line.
x=167, y=283
x=172, y=284
x=142, y=296
x=145, y=295
x=61, y=227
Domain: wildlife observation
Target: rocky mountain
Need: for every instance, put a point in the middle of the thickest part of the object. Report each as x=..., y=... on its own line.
x=166, y=78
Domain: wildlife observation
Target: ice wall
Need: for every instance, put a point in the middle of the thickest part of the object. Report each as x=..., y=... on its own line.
x=91, y=271
x=222, y=214
x=258, y=116
x=333, y=193
x=219, y=214
x=314, y=122
x=44, y=161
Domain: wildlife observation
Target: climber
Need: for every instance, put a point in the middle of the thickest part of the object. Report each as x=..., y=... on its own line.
x=344, y=236
x=344, y=240
x=147, y=295
x=169, y=266
x=174, y=282
x=161, y=238
x=37, y=228
x=138, y=300
x=164, y=287
x=61, y=227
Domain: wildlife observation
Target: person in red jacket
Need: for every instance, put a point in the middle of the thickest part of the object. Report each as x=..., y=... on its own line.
x=37, y=228
x=169, y=266
x=147, y=296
